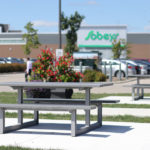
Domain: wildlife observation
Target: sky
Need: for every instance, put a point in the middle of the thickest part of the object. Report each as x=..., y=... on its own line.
x=44, y=13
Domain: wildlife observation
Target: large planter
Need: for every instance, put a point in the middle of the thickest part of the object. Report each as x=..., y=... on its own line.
x=47, y=93
x=38, y=93
x=61, y=93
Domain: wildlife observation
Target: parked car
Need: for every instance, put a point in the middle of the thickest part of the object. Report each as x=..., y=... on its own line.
x=2, y=60
x=116, y=67
x=86, y=64
x=141, y=68
x=11, y=60
x=88, y=60
x=33, y=60
x=145, y=63
x=20, y=61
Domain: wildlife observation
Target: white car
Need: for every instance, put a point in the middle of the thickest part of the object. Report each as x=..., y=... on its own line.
x=105, y=67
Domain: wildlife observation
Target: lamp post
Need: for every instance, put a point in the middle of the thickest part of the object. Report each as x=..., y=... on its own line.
x=59, y=25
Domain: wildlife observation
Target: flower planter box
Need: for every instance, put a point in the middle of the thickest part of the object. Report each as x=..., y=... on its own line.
x=38, y=93
x=47, y=93
x=61, y=93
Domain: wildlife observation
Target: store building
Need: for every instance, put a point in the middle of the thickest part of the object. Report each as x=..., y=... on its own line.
x=90, y=38
x=100, y=38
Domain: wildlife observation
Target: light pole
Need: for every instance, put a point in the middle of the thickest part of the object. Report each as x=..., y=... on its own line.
x=59, y=25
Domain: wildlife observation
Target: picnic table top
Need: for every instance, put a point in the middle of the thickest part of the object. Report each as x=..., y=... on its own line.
x=56, y=84
x=140, y=76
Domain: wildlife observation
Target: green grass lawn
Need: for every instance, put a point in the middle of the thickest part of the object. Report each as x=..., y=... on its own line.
x=17, y=148
x=9, y=97
x=118, y=118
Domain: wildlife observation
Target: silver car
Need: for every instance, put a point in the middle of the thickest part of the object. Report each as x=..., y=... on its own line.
x=145, y=63
x=141, y=66
x=116, y=66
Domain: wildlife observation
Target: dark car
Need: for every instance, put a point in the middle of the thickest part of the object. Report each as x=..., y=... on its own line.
x=11, y=60
x=2, y=60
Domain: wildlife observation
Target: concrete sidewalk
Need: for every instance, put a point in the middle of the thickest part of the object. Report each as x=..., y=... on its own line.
x=55, y=134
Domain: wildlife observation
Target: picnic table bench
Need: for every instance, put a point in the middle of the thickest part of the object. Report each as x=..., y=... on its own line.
x=138, y=88
x=71, y=108
x=55, y=105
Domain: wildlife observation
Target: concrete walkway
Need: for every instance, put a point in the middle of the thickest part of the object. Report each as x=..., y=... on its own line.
x=55, y=134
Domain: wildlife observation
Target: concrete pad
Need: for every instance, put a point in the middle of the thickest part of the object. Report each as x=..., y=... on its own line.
x=56, y=134
x=128, y=99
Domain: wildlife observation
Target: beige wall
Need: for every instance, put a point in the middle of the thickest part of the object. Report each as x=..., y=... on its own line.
x=139, y=51
x=17, y=50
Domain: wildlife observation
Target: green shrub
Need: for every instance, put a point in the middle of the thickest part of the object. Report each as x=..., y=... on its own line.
x=93, y=76
x=12, y=68
x=100, y=77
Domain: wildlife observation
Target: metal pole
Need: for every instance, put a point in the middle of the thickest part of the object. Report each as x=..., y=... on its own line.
x=59, y=27
x=110, y=73
x=80, y=69
x=126, y=70
x=80, y=66
x=120, y=71
x=105, y=68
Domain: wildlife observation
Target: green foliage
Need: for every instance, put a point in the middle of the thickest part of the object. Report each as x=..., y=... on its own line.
x=118, y=48
x=93, y=76
x=12, y=68
x=47, y=68
x=72, y=25
x=31, y=37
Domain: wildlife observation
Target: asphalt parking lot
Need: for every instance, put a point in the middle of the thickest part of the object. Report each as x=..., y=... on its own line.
x=117, y=87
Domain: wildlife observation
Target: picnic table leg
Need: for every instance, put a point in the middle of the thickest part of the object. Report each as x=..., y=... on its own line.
x=142, y=93
x=99, y=116
x=133, y=93
x=73, y=123
x=2, y=120
x=36, y=115
x=20, y=100
x=138, y=91
x=87, y=112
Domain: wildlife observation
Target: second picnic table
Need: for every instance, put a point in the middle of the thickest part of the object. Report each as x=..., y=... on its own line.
x=139, y=86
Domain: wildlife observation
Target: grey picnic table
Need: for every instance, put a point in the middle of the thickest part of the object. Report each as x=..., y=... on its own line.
x=87, y=86
x=139, y=86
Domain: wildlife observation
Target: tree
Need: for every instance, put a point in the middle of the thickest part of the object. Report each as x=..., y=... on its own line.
x=31, y=38
x=72, y=25
x=118, y=48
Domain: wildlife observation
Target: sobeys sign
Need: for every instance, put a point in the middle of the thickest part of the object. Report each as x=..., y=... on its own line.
x=99, y=36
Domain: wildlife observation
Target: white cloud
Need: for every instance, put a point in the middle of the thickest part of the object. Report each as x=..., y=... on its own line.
x=83, y=23
x=92, y=2
x=89, y=2
x=147, y=28
x=42, y=23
